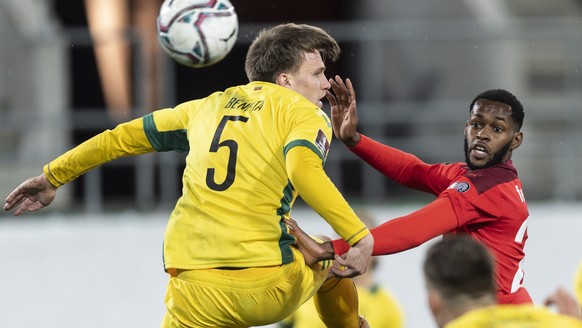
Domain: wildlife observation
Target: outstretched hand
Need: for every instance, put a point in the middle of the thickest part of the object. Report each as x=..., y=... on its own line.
x=344, y=116
x=355, y=261
x=312, y=251
x=32, y=195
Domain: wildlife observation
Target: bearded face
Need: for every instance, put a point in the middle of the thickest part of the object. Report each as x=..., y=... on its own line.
x=495, y=158
x=490, y=135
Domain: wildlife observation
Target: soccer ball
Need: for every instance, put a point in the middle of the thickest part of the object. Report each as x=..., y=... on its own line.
x=197, y=33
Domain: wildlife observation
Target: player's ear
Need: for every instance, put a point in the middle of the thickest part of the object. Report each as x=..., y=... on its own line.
x=517, y=139
x=283, y=80
x=434, y=301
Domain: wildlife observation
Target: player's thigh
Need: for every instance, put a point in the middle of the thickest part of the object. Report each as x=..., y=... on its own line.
x=235, y=298
x=302, y=282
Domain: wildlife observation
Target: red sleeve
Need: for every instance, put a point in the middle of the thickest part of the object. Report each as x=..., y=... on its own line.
x=409, y=231
x=405, y=168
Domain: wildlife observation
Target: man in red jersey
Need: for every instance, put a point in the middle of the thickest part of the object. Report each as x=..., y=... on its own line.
x=481, y=197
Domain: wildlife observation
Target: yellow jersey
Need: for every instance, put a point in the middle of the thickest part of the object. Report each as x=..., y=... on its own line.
x=252, y=149
x=514, y=316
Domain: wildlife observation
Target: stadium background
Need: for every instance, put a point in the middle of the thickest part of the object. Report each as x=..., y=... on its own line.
x=94, y=258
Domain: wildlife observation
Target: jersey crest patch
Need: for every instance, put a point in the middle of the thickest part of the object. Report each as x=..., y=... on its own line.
x=460, y=186
x=322, y=143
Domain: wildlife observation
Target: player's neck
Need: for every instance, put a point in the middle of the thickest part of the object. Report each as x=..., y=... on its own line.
x=464, y=304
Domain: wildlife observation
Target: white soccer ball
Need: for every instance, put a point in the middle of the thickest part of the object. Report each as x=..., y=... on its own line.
x=197, y=33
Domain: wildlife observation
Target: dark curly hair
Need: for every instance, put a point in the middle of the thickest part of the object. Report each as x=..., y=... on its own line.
x=504, y=97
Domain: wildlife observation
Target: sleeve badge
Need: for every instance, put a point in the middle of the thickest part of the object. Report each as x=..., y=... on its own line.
x=460, y=186
x=322, y=143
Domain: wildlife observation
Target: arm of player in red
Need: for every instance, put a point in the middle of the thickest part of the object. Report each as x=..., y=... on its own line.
x=402, y=167
x=409, y=231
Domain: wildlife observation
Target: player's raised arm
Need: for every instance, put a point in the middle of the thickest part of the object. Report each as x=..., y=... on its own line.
x=344, y=114
x=31, y=195
x=306, y=173
x=38, y=192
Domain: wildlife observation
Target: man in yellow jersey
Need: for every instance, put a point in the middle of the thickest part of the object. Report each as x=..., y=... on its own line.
x=461, y=289
x=252, y=149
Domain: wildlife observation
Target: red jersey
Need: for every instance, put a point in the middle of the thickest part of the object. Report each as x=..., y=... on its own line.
x=487, y=204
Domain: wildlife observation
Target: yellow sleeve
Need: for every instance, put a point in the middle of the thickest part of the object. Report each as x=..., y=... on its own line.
x=125, y=140
x=305, y=171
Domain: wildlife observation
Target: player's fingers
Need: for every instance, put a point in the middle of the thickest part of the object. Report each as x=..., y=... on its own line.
x=564, y=303
x=340, y=260
x=341, y=85
x=351, y=91
x=340, y=89
x=8, y=204
x=561, y=292
x=334, y=85
x=332, y=81
x=295, y=230
x=343, y=272
x=337, y=273
x=323, y=237
x=343, y=264
x=35, y=206
x=13, y=195
x=330, y=97
x=550, y=300
x=26, y=205
x=13, y=200
x=353, y=113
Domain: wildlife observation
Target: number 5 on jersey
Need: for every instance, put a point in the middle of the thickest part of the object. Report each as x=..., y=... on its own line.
x=233, y=148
